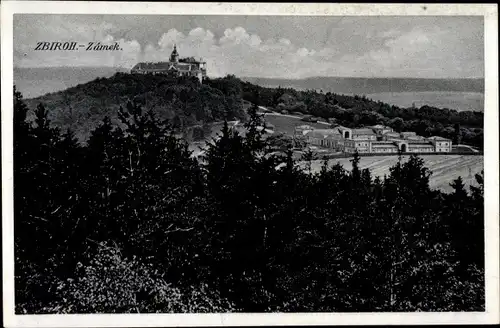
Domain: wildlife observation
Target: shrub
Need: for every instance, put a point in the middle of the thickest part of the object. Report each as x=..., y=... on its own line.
x=113, y=284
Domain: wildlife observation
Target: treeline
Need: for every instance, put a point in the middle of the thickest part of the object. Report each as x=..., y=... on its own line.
x=184, y=101
x=357, y=85
x=357, y=111
x=130, y=222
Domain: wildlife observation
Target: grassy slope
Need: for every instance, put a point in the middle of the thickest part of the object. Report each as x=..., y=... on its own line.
x=286, y=125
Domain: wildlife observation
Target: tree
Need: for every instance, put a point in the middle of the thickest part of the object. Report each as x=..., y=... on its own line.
x=254, y=127
x=457, y=139
x=397, y=124
x=308, y=157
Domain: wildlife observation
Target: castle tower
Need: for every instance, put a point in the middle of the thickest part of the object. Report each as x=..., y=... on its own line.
x=174, y=56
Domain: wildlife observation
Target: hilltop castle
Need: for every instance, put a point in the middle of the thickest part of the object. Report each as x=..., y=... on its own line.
x=175, y=67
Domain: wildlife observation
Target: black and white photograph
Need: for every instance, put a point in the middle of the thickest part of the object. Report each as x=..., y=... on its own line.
x=223, y=162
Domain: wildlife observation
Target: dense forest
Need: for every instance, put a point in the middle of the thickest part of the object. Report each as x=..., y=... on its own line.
x=129, y=222
x=187, y=103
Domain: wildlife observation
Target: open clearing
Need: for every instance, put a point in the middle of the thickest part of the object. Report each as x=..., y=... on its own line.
x=445, y=168
x=286, y=123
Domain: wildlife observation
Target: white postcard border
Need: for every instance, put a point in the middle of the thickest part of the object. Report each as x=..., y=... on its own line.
x=491, y=164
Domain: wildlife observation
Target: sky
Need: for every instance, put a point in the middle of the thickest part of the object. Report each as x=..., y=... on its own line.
x=266, y=46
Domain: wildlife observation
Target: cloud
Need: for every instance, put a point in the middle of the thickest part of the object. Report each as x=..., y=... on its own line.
x=416, y=53
x=399, y=53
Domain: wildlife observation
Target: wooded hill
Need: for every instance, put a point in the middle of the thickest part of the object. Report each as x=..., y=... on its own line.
x=186, y=103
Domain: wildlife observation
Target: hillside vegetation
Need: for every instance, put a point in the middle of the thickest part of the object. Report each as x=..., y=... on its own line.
x=187, y=104
x=184, y=102
x=358, y=111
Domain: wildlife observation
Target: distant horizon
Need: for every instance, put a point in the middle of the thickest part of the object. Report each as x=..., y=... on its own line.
x=266, y=77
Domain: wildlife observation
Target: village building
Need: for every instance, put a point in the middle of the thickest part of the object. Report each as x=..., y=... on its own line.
x=390, y=135
x=420, y=147
x=415, y=138
x=302, y=129
x=364, y=134
x=323, y=137
x=361, y=146
x=384, y=147
x=359, y=134
x=380, y=130
x=175, y=67
x=406, y=135
x=441, y=144
x=365, y=140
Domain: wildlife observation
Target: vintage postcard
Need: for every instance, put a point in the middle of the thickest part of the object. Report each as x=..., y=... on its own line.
x=235, y=164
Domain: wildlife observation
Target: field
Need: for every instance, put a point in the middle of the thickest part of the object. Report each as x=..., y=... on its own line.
x=287, y=124
x=445, y=168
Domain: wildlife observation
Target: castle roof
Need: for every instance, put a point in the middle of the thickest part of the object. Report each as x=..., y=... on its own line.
x=174, y=52
x=166, y=66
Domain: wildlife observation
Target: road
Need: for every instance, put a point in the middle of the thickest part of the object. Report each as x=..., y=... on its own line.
x=469, y=147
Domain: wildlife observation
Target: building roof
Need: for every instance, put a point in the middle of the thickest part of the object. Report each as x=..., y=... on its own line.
x=362, y=132
x=380, y=126
x=374, y=143
x=421, y=145
x=438, y=138
x=409, y=133
x=334, y=137
x=387, y=145
x=323, y=133
x=398, y=140
x=391, y=133
x=327, y=132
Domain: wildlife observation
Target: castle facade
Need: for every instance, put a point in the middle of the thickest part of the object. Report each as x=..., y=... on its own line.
x=175, y=67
